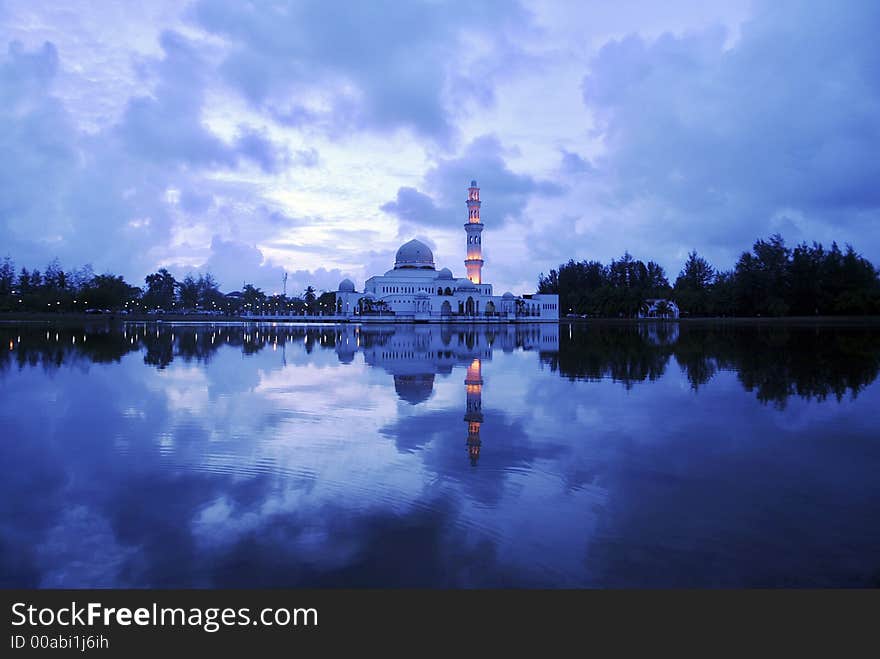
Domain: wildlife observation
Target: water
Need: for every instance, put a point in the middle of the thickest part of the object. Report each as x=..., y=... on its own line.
x=172, y=455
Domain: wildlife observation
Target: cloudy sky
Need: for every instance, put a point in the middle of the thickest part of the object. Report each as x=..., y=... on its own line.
x=253, y=138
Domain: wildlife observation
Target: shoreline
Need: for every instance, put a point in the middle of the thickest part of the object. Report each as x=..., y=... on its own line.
x=184, y=318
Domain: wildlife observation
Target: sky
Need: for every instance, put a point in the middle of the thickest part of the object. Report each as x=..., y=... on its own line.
x=250, y=139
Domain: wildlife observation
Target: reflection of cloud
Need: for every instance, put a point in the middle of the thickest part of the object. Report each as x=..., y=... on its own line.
x=440, y=437
x=81, y=551
x=314, y=474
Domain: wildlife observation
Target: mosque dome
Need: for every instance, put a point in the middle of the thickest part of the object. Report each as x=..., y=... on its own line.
x=466, y=285
x=346, y=286
x=507, y=296
x=414, y=389
x=445, y=273
x=414, y=255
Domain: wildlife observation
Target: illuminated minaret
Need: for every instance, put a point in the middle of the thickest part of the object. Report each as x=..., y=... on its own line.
x=473, y=384
x=473, y=228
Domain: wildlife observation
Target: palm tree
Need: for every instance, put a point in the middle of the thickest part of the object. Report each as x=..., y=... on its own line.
x=309, y=298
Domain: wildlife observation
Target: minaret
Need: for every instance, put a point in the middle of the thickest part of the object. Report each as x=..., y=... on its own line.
x=473, y=228
x=473, y=384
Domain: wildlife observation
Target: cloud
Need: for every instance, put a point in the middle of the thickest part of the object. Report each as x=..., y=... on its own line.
x=167, y=125
x=716, y=140
x=415, y=207
x=256, y=146
x=380, y=66
x=235, y=263
x=505, y=193
x=590, y=132
x=573, y=163
x=104, y=197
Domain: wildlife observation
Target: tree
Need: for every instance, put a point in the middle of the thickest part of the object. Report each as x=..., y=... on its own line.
x=209, y=295
x=762, y=279
x=693, y=286
x=252, y=298
x=24, y=281
x=81, y=277
x=188, y=292
x=7, y=277
x=54, y=278
x=326, y=303
x=109, y=292
x=309, y=298
x=160, y=291
x=656, y=284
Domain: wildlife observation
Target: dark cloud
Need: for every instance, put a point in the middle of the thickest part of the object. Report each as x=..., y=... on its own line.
x=416, y=207
x=167, y=125
x=505, y=192
x=256, y=146
x=383, y=65
x=716, y=141
x=572, y=163
x=194, y=201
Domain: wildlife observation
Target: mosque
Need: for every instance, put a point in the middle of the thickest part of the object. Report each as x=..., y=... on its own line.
x=414, y=290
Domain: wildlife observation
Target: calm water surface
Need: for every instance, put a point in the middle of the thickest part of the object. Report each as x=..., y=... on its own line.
x=162, y=455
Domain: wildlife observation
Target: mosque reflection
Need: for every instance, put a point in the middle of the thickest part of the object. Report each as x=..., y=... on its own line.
x=415, y=354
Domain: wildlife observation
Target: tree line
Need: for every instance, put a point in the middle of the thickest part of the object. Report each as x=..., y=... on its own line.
x=81, y=290
x=770, y=280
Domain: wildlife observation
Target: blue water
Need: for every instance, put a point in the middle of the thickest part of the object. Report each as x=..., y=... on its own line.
x=171, y=455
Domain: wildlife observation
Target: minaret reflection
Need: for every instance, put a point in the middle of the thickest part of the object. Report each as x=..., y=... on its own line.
x=473, y=384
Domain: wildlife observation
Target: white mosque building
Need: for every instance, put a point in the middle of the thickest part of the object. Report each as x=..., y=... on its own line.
x=414, y=290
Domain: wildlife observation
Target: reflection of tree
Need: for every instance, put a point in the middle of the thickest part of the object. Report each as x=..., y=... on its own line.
x=812, y=363
x=619, y=352
x=161, y=344
x=774, y=361
x=37, y=345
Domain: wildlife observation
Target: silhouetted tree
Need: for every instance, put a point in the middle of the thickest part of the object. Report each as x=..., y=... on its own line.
x=693, y=286
x=160, y=290
x=7, y=277
x=188, y=292
x=253, y=298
